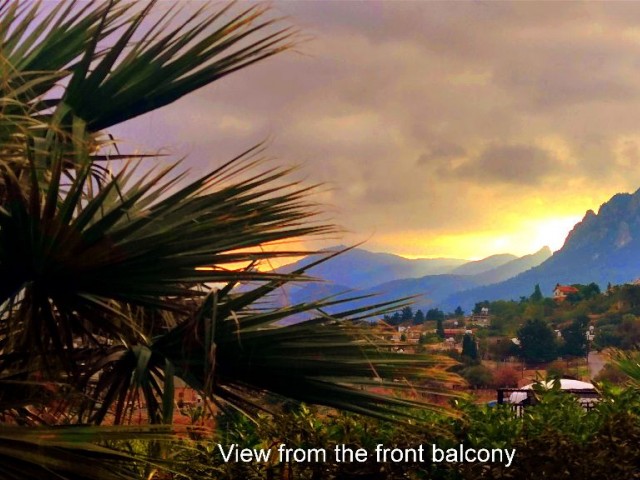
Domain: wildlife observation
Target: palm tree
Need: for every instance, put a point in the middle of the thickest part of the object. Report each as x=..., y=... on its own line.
x=114, y=280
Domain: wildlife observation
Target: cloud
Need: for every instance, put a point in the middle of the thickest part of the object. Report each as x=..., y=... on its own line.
x=516, y=164
x=441, y=153
x=412, y=111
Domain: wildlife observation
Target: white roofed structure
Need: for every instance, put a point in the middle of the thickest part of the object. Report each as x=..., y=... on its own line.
x=574, y=386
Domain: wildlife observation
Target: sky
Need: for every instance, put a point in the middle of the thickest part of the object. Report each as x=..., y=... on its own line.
x=453, y=129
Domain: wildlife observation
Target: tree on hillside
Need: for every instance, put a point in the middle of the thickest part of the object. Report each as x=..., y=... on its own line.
x=434, y=314
x=469, y=347
x=575, y=337
x=629, y=332
x=629, y=296
x=585, y=292
x=458, y=312
x=440, y=327
x=394, y=320
x=126, y=272
x=407, y=315
x=418, y=318
x=591, y=290
x=537, y=342
x=536, y=296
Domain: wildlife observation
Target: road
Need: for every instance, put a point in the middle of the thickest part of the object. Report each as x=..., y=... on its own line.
x=596, y=363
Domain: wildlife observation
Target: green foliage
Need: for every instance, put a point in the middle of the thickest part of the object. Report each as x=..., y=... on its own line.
x=629, y=364
x=558, y=439
x=585, y=292
x=469, y=347
x=407, y=315
x=117, y=278
x=440, y=328
x=394, y=320
x=575, y=338
x=629, y=330
x=607, y=336
x=502, y=348
x=310, y=427
x=537, y=342
x=629, y=297
x=612, y=374
x=618, y=331
x=536, y=296
x=478, y=376
x=555, y=439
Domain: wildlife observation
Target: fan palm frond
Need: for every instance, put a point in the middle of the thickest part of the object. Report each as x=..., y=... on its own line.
x=82, y=453
x=153, y=62
x=113, y=284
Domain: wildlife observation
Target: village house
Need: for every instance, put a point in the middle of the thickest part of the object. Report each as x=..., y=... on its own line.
x=481, y=319
x=560, y=292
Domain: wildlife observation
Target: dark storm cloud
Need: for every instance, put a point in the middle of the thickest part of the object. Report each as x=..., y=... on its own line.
x=517, y=164
x=441, y=153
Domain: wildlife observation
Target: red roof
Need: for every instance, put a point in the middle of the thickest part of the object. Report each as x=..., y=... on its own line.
x=566, y=289
x=455, y=331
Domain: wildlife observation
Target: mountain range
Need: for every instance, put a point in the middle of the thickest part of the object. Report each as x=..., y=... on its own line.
x=390, y=276
x=603, y=247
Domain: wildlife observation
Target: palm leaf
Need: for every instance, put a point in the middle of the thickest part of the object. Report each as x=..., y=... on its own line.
x=170, y=59
x=629, y=363
x=76, y=256
x=75, y=452
x=105, y=278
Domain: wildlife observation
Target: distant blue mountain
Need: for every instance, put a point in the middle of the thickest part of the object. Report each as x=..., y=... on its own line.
x=361, y=269
x=429, y=291
x=481, y=266
x=513, y=268
x=359, y=272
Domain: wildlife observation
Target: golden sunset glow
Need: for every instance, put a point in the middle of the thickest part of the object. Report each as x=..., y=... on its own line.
x=520, y=239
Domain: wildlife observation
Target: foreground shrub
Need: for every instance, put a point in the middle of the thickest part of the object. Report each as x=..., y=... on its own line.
x=556, y=439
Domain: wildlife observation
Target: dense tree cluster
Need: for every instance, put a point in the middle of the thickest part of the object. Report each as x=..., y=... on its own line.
x=538, y=342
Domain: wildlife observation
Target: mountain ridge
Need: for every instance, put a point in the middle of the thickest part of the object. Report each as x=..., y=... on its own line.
x=603, y=247
x=429, y=290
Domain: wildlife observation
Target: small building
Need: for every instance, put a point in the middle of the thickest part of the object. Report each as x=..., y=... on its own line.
x=586, y=392
x=481, y=319
x=560, y=292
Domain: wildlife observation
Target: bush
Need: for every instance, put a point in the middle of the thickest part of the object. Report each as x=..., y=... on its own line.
x=557, y=369
x=557, y=439
x=478, y=376
x=502, y=348
x=611, y=374
x=506, y=377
